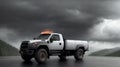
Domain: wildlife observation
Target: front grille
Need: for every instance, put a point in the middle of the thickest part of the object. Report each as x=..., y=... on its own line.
x=24, y=45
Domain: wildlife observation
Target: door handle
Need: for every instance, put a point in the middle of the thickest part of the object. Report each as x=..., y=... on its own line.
x=59, y=43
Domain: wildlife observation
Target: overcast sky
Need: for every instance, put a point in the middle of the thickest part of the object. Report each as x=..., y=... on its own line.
x=76, y=19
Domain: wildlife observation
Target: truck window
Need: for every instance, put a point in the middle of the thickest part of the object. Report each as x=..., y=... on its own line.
x=55, y=37
x=43, y=36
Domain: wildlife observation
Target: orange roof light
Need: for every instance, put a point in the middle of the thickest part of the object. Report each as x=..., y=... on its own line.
x=46, y=32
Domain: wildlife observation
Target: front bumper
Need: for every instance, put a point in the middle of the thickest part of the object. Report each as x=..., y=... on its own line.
x=27, y=52
x=25, y=48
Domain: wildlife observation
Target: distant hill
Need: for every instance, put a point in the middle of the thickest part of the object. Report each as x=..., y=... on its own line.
x=7, y=50
x=107, y=52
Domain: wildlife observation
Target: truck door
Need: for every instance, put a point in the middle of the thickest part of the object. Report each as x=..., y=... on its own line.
x=55, y=42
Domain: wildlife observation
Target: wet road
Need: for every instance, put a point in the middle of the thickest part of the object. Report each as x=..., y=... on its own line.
x=16, y=61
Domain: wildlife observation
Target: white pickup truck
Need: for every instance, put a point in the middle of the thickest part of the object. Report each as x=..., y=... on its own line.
x=49, y=44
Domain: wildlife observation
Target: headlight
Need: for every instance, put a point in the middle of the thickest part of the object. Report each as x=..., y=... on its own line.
x=35, y=44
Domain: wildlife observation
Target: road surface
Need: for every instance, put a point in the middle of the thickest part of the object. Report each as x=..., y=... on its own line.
x=16, y=61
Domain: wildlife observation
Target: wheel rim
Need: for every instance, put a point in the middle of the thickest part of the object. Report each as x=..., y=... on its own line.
x=42, y=56
x=80, y=54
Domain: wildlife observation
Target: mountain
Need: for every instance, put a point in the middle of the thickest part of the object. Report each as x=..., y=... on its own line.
x=7, y=50
x=107, y=52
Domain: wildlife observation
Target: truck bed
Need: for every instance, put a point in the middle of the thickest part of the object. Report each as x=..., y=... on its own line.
x=72, y=44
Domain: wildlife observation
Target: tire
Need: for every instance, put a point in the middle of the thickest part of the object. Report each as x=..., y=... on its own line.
x=26, y=57
x=79, y=54
x=62, y=57
x=41, y=55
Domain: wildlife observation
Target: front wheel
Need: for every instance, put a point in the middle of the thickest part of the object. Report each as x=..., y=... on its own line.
x=41, y=55
x=79, y=54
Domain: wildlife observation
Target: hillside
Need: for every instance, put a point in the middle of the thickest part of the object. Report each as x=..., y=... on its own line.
x=7, y=50
x=107, y=52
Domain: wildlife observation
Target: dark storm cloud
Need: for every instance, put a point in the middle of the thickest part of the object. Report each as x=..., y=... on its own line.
x=71, y=17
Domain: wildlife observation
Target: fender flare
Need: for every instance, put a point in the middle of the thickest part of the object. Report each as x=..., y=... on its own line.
x=80, y=46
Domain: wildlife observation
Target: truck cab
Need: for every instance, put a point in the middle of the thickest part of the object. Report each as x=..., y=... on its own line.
x=56, y=42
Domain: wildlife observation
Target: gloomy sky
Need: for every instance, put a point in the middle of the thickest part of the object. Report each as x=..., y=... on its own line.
x=76, y=19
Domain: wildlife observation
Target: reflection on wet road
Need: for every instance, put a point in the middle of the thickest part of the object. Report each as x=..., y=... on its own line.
x=16, y=61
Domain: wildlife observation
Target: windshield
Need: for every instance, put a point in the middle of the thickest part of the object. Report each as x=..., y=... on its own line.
x=43, y=36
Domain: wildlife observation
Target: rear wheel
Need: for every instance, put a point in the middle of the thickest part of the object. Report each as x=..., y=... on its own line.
x=41, y=55
x=79, y=54
x=26, y=57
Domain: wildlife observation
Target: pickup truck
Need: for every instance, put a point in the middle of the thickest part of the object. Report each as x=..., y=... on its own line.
x=52, y=44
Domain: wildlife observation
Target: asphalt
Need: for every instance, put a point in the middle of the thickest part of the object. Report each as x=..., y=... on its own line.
x=89, y=61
